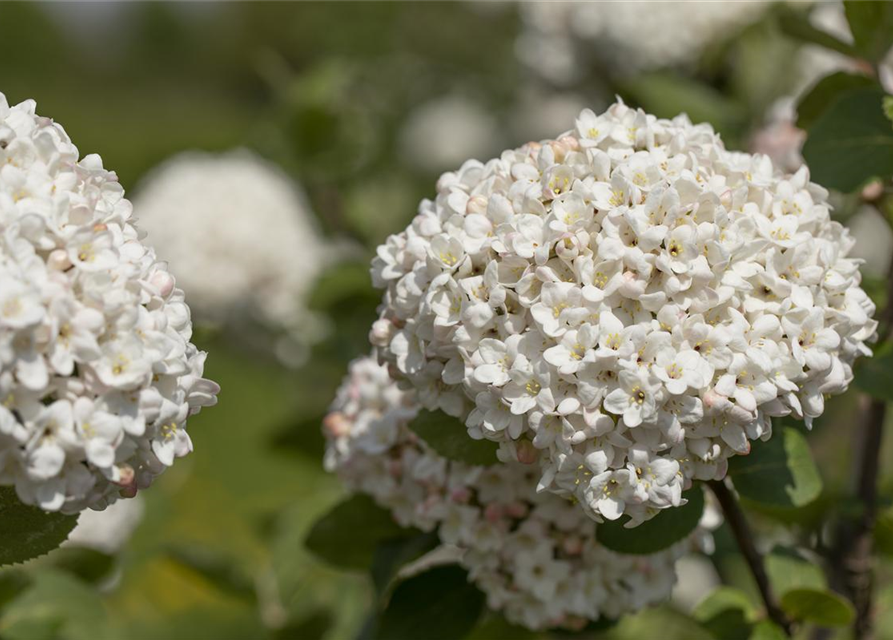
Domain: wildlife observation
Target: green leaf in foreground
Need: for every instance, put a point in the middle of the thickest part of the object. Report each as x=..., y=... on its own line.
x=818, y=606
x=439, y=604
x=851, y=142
x=777, y=473
x=28, y=532
x=788, y=569
x=448, y=437
x=823, y=94
x=348, y=535
x=663, y=530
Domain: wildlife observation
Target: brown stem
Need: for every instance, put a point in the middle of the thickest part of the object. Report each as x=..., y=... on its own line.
x=852, y=558
x=744, y=537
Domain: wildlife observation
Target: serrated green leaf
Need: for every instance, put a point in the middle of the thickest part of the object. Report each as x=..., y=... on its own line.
x=448, y=437
x=818, y=606
x=439, y=604
x=28, y=532
x=851, y=142
x=872, y=26
x=777, y=473
x=663, y=530
x=823, y=93
x=391, y=555
x=788, y=569
x=348, y=535
x=874, y=375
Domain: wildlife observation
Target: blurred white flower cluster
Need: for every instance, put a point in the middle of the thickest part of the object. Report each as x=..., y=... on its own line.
x=632, y=36
x=631, y=299
x=243, y=240
x=97, y=374
x=534, y=555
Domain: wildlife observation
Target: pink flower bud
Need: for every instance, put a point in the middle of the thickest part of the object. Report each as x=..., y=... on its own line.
x=527, y=453
x=493, y=513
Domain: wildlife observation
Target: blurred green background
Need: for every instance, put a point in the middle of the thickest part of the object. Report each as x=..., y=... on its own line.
x=323, y=89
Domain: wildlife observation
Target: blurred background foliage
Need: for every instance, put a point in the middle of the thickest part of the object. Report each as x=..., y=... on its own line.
x=323, y=89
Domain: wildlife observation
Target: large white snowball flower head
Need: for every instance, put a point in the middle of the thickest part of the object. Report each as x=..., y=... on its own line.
x=242, y=239
x=97, y=373
x=631, y=299
x=534, y=555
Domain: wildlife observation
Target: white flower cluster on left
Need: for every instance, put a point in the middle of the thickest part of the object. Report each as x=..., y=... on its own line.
x=97, y=373
x=534, y=555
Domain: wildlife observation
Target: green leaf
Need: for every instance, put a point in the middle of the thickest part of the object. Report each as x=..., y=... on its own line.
x=496, y=626
x=888, y=108
x=851, y=142
x=315, y=624
x=439, y=604
x=777, y=473
x=818, y=606
x=57, y=605
x=217, y=568
x=823, y=93
x=28, y=532
x=663, y=530
x=726, y=613
x=794, y=24
x=788, y=570
x=89, y=565
x=348, y=535
x=872, y=27
x=883, y=533
x=874, y=375
x=391, y=555
x=667, y=95
x=767, y=630
x=448, y=437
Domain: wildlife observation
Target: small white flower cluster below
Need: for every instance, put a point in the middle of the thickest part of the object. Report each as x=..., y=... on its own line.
x=97, y=374
x=631, y=299
x=534, y=555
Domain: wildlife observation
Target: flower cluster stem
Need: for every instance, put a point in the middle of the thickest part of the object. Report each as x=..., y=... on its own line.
x=744, y=537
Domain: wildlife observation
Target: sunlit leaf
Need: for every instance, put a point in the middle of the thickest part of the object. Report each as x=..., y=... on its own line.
x=818, y=606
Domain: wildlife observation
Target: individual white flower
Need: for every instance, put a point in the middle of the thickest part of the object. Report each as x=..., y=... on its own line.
x=243, y=241
x=533, y=554
x=445, y=131
x=95, y=350
x=658, y=294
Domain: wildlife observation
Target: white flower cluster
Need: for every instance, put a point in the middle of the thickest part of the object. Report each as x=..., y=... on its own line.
x=243, y=241
x=97, y=374
x=533, y=554
x=558, y=37
x=631, y=299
